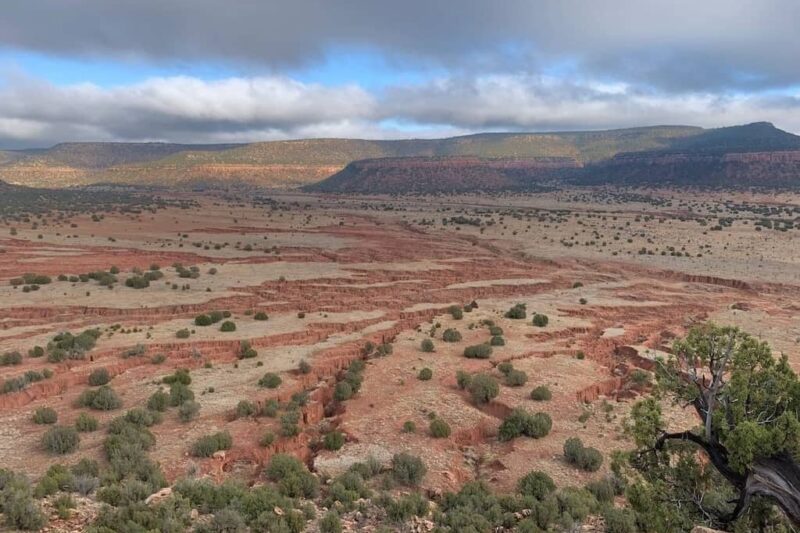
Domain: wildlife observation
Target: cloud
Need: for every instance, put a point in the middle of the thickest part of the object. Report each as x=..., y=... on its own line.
x=671, y=45
x=238, y=109
x=180, y=109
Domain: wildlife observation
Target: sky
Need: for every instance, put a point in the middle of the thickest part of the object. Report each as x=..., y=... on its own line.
x=206, y=71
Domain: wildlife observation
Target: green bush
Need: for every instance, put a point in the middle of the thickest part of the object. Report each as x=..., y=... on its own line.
x=602, y=489
x=540, y=320
x=427, y=345
x=227, y=326
x=439, y=429
x=517, y=312
x=463, y=379
x=202, y=320
x=245, y=408
x=536, y=484
x=45, y=415
x=483, y=388
x=293, y=478
x=270, y=380
x=619, y=520
x=216, y=316
x=408, y=469
x=60, y=440
x=425, y=374
x=188, y=410
x=304, y=367
x=181, y=376
x=497, y=340
x=495, y=331
x=330, y=523
x=333, y=440
x=102, y=399
x=289, y=423
x=451, y=335
x=99, y=377
x=179, y=393
x=456, y=312
x=505, y=367
x=86, y=423
x=10, y=359
x=409, y=426
x=183, y=333
x=516, y=378
x=541, y=393
x=521, y=422
x=478, y=351
x=260, y=315
x=20, y=510
x=343, y=391
x=207, y=445
x=158, y=401
x=267, y=439
x=589, y=459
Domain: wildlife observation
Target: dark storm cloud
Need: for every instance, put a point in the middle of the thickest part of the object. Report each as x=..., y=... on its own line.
x=675, y=46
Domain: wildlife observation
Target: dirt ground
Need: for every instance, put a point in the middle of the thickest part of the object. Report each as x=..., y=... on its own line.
x=332, y=273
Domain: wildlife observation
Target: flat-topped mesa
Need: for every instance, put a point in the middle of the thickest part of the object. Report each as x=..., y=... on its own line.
x=443, y=174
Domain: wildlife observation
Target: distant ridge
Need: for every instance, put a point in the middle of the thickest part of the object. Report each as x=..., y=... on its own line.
x=757, y=154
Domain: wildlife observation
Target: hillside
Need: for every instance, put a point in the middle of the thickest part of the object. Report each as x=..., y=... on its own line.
x=301, y=162
x=441, y=174
x=756, y=154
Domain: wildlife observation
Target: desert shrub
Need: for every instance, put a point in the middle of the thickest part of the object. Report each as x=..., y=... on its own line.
x=246, y=351
x=270, y=408
x=517, y=312
x=245, y=408
x=158, y=401
x=409, y=426
x=439, y=429
x=463, y=379
x=384, y=348
x=497, y=340
x=10, y=358
x=20, y=510
x=333, y=440
x=483, y=388
x=99, y=377
x=456, y=312
x=536, y=484
x=293, y=478
x=403, y=508
x=142, y=417
x=541, y=393
x=304, y=367
x=267, y=439
x=451, y=335
x=330, y=523
x=86, y=423
x=261, y=315
x=227, y=326
x=207, y=445
x=425, y=374
x=343, y=391
x=179, y=393
x=505, y=367
x=202, y=320
x=540, y=320
x=589, y=459
x=45, y=415
x=495, y=331
x=478, y=351
x=183, y=333
x=102, y=399
x=580, y=355
x=516, y=378
x=408, y=469
x=619, y=520
x=60, y=440
x=36, y=351
x=521, y=422
x=427, y=345
x=188, y=410
x=602, y=489
x=289, y=426
x=136, y=351
x=137, y=282
x=640, y=377
x=270, y=380
x=474, y=509
x=577, y=503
